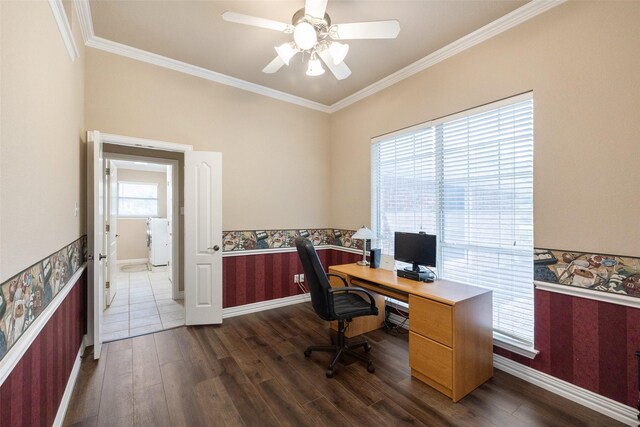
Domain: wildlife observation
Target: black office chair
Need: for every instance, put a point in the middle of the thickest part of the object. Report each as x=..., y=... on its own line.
x=341, y=304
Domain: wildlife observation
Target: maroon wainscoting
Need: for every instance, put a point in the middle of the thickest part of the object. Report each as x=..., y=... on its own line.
x=588, y=343
x=32, y=393
x=266, y=276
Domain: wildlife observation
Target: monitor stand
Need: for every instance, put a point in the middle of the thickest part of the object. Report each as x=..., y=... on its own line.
x=416, y=273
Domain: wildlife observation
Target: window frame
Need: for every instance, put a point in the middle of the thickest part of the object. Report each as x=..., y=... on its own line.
x=500, y=340
x=157, y=199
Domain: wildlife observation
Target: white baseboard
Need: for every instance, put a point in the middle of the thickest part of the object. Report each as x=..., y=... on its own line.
x=132, y=261
x=68, y=391
x=264, y=305
x=616, y=410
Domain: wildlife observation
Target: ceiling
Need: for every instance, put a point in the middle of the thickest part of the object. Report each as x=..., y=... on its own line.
x=194, y=32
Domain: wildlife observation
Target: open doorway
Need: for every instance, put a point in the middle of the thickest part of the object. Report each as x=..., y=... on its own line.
x=199, y=224
x=141, y=292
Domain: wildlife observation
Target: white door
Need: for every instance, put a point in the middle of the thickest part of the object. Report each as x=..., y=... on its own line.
x=95, y=239
x=170, y=224
x=111, y=285
x=203, y=237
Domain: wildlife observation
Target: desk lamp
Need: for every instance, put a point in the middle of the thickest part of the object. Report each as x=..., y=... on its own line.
x=363, y=234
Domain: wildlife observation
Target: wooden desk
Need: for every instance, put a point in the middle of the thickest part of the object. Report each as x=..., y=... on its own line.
x=450, y=327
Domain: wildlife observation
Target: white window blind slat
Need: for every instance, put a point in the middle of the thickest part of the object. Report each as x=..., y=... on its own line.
x=469, y=180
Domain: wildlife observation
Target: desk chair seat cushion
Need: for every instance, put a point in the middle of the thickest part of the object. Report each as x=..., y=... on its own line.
x=349, y=305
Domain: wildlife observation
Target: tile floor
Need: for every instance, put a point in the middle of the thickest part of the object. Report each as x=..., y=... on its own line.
x=142, y=304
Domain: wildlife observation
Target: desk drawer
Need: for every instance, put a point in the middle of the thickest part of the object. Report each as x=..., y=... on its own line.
x=433, y=360
x=431, y=319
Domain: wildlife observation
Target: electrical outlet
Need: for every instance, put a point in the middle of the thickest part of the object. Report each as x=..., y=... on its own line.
x=296, y=278
x=301, y=278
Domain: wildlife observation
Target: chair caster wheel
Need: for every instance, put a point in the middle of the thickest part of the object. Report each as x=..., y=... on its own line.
x=329, y=373
x=307, y=353
x=367, y=348
x=370, y=368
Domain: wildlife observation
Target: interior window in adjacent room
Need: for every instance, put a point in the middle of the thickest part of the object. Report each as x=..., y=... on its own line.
x=136, y=199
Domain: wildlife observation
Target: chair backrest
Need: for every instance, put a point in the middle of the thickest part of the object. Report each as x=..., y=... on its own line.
x=315, y=277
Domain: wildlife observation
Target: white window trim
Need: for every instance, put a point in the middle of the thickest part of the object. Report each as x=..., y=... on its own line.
x=499, y=339
x=157, y=199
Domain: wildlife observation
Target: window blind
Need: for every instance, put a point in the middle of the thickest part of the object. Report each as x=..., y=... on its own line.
x=469, y=180
x=137, y=199
x=405, y=185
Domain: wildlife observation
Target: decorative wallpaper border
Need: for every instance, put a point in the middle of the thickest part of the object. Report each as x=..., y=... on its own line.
x=24, y=296
x=236, y=241
x=598, y=272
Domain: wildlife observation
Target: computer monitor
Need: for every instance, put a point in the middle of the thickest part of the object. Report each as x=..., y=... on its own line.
x=415, y=248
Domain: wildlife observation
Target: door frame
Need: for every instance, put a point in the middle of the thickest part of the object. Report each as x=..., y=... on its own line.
x=111, y=236
x=175, y=222
x=127, y=141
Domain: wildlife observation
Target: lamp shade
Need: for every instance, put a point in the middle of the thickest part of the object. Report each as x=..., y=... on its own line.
x=363, y=234
x=315, y=67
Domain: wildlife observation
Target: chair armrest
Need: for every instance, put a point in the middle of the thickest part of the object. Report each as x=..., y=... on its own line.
x=339, y=277
x=372, y=299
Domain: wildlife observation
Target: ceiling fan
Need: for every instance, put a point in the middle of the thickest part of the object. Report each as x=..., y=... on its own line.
x=313, y=34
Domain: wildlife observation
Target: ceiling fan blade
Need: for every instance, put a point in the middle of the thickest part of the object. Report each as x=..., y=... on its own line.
x=239, y=18
x=366, y=30
x=273, y=66
x=341, y=71
x=315, y=8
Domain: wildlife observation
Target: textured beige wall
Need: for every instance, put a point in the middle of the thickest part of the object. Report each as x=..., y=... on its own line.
x=132, y=232
x=581, y=61
x=275, y=155
x=132, y=240
x=42, y=154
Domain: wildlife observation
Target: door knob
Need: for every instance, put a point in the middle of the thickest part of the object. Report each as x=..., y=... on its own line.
x=101, y=257
x=216, y=248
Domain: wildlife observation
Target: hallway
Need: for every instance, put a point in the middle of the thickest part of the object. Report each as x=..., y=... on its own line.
x=142, y=304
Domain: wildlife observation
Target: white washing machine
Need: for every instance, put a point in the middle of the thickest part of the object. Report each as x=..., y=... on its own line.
x=157, y=241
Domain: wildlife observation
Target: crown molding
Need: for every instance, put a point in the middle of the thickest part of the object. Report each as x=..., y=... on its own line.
x=86, y=25
x=183, y=67
x=62, y=21
x=500, y=25
x=518, y=16
x=84, y=18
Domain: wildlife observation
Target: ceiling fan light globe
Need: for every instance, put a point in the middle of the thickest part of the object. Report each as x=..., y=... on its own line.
x=305, y=36
x=338, y=52
x=315, y=68
x=285, y=52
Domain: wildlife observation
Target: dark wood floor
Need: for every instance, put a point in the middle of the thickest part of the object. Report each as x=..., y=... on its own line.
x=251, y=371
